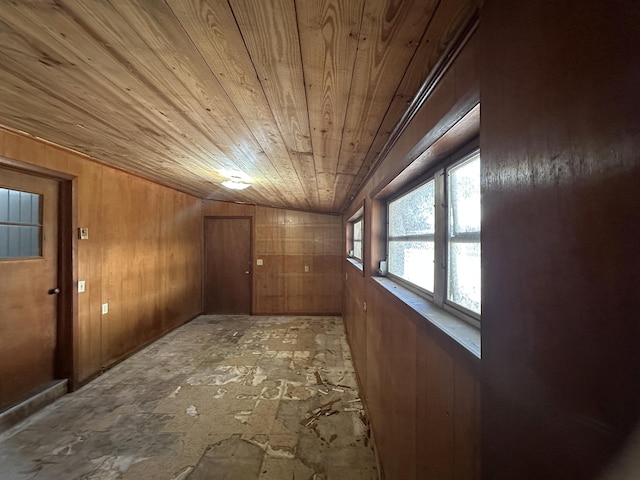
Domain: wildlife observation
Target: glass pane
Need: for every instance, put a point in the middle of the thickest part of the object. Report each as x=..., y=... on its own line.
x=14, y=206
x=4, y=241
x=413, y=213
x=25, y=207
x=464, y=197
x=357, y=249
x=464, y=275
x=13, y=248
x=35, y=209
x=29, y=239
x=4, y=205
x=357, y=230
x=412, y=261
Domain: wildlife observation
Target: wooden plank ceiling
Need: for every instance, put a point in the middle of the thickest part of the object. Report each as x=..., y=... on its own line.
x=296, y=96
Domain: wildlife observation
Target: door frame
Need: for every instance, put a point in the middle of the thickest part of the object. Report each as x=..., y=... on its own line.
x=65, y=362
x=204, y=254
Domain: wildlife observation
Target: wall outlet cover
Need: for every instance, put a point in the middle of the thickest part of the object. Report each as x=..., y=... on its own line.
x=81, y=286
x=105, y=308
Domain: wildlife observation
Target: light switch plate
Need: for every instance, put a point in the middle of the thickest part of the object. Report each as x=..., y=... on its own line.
x=83, y=233
x=81, y=286
x=105, y=308
x=259, y=261
x=306, y=268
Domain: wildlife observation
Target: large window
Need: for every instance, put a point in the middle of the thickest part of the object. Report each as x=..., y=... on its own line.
x=434, y=237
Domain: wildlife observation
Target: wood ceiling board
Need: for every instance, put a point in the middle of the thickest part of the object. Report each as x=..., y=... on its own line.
x=152, y=43
x=328, y=33
x=212, y=27
x=270, y=31
x=389, y=36
x=290, y=92
x=449, y=17
x=91, y=95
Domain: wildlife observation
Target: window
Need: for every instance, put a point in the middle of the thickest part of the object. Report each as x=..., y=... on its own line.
x=463, y=242
x=20, y=224
x=357, y=240
x=437, y=224
x=411, y=236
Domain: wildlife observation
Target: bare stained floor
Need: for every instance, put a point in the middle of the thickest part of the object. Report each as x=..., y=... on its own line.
x=223, y=397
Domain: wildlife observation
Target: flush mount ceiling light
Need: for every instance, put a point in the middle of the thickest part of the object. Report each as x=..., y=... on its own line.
x=235, y=183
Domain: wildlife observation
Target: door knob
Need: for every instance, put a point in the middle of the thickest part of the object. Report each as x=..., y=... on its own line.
x=54, y=291
x=246, y=272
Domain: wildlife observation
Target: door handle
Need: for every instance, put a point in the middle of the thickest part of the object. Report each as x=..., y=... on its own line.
x=248, y=271
x=54, y=291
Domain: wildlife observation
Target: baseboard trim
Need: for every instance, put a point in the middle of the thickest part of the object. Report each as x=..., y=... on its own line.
x=38, y=399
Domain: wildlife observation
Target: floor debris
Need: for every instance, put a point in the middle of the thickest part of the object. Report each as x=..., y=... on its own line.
x=262, y=398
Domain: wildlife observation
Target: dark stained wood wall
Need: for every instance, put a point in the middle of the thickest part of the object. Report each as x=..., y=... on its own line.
x=143, y=255
x=421, y=388
x=287, y=241
x=560, y=142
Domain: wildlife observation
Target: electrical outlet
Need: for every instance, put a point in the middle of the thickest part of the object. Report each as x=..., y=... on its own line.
x=105, y=308
x=83, y=233
x=259, y=261
x=81, y=286
x=306, y=268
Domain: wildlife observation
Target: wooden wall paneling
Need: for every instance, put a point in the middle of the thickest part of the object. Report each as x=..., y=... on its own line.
x=560, y=143
x=391, y=371
x=287, y=241
x=441, y=430
x=436, y=410
x=355, y=319
x=467, y=421
x=90, y=269
x=126, y=217
x=375, y=388
x=329, y=39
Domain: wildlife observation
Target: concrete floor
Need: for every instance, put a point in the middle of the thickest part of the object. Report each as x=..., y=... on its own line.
x=223, y=397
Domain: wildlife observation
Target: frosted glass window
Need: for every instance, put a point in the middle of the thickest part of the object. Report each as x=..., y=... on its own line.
x=463, y=246
x=412, y=235
x=20, y=224
x=357, y=240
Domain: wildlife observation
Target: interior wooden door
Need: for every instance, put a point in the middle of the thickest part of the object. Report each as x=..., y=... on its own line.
x=228, y=272
x=28, y=283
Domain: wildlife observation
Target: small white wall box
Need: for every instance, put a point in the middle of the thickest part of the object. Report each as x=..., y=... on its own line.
x=382, y=270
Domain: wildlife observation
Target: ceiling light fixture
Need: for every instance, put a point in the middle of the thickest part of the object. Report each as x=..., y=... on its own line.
x=235, y=183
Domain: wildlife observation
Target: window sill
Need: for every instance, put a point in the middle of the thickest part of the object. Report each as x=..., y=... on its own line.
x=355, y=263
x=467, y=336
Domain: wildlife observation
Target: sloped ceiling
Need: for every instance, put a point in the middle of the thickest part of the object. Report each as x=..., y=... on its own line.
x=296, y=96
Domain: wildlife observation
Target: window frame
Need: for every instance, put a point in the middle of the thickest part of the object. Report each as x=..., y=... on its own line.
x=440, y=174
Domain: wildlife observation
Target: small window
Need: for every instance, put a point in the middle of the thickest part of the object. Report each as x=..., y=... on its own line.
x=463, y=243
x=357, y=240
x=20, y=224
x=411, y=236
x=433, y=239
